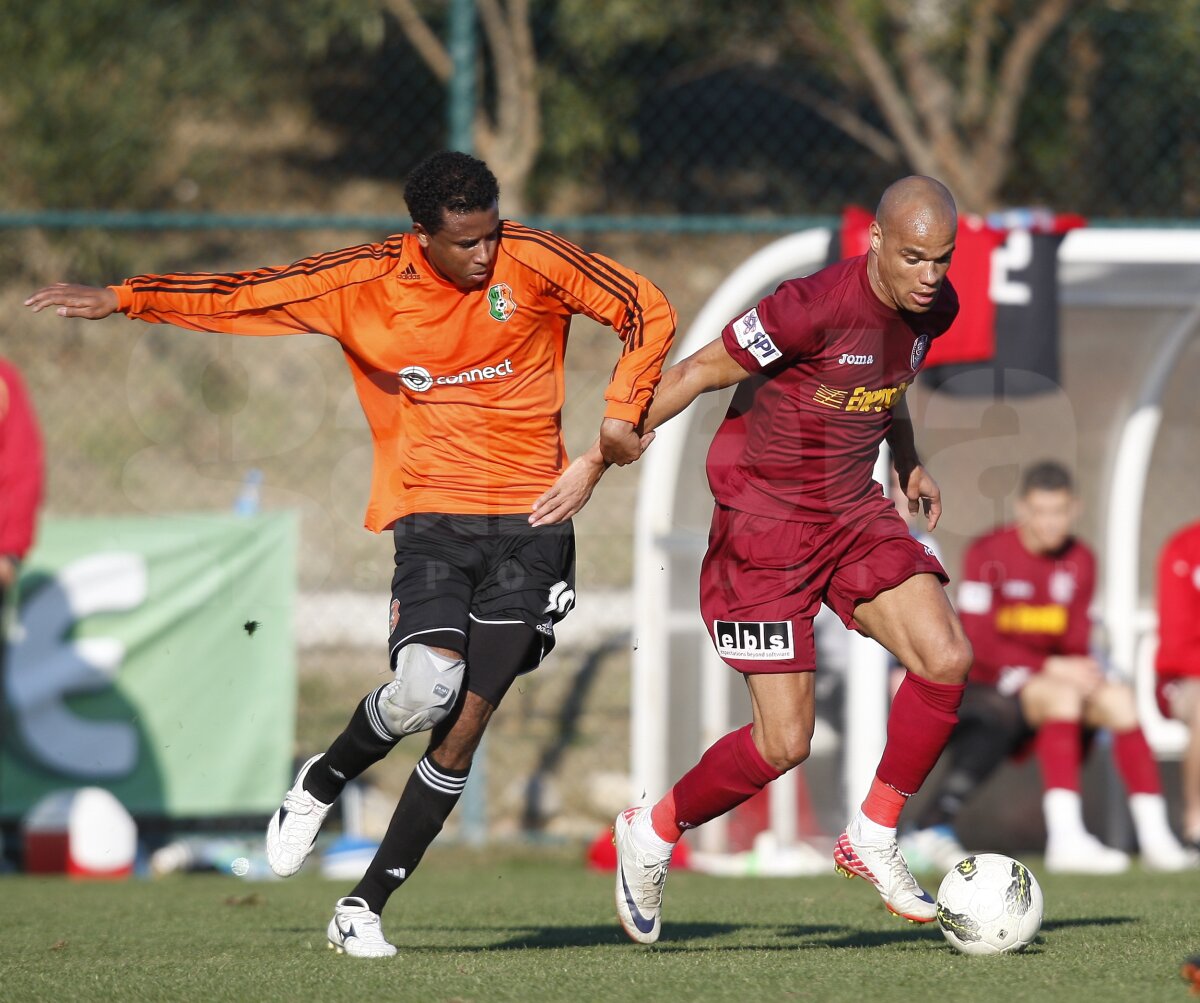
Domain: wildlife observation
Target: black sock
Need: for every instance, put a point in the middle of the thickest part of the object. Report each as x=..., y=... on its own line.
x=365, y=741
x=975, y=751
x=429, y=796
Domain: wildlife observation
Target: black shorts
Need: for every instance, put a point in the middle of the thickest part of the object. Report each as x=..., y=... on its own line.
x=456, y=570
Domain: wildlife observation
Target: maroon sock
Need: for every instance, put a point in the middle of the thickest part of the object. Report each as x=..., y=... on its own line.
x=731, y=771
x=1135, y=762
x=922, y=717
x=1060, y=753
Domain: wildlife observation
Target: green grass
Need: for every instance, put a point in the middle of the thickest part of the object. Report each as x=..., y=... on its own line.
x=536, y=926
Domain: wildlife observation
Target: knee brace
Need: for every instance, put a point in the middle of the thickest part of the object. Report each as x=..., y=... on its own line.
x=424, y=691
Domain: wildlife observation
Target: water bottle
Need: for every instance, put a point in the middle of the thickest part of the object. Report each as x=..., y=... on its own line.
x=248, y=497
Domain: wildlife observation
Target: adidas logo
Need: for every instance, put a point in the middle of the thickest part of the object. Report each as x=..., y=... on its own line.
x=409, y=272
x=399, y=873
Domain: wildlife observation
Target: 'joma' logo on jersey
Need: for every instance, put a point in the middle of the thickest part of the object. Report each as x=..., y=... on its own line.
x=883, y=399
x=856, y=360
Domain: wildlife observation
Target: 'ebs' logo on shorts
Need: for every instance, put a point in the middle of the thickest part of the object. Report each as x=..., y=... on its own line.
x=753, y=640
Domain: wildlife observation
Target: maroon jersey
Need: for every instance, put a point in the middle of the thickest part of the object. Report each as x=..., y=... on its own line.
x=828, y=362
x=1019, y=608
x=1179, y=605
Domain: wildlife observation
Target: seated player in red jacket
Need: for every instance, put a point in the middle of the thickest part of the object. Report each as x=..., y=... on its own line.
x=1024, y=603
x=1178, y=660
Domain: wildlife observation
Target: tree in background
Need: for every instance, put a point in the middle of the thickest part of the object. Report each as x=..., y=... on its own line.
x=769, y=106
x=949, y=77
x=508, y=123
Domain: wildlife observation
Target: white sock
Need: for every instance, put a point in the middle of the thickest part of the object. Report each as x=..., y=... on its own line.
x=867, y=831
x=1063, y=811
x=646, y=839
x=1149, y=813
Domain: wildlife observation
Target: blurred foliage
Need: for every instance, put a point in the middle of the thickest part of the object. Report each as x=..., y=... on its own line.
x=694, y=106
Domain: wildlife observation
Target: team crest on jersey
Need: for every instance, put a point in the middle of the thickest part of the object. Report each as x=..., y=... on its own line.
x=920, y=347
x=1062, y=586
x=501, y=303
x=394, y=616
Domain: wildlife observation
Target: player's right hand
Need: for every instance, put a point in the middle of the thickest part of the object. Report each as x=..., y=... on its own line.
x=571, y=491
x=620, y=442
x=88, y=302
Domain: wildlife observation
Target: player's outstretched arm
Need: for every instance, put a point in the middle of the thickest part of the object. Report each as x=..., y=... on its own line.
x=89, y=302
x=711, y=368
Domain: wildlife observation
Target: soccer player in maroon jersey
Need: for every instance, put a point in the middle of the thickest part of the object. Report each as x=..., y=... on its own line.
x=822, y=366
x=1178, y=660
x=1024, y=602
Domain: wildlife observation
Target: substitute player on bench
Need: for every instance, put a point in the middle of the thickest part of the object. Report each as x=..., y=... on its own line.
x=454, y=334
x=1024, y=597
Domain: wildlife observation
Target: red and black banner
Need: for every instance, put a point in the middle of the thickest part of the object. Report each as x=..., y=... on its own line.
x=1005, y=340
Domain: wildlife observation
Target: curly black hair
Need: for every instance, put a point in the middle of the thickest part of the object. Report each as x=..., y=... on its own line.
x=449, y=180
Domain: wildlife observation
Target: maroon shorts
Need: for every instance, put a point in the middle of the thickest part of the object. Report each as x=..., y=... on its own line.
x=763, y=580
x=1166, y=689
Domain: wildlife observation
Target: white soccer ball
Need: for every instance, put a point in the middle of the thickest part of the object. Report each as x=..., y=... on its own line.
x=989, y=904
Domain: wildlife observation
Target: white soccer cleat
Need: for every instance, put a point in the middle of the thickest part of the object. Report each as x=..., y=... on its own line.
x=1083, y=853
x=356, y=931
x=640, y=880
x=883, y=865
x=293, y=828
x=933, y=849
x=1169, y=857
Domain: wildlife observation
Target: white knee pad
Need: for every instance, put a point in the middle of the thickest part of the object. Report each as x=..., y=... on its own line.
x=424, y=691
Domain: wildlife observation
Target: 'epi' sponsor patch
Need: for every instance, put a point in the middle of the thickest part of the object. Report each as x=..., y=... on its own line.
x=754, y=640
x=750, y=335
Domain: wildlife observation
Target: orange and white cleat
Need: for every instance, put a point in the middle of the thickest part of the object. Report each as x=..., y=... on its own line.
x=884, y=866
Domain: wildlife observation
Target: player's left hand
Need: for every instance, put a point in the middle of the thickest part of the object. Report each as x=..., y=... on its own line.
x=620, y=442
x=571, y=491
x=88, y=302
x=923, y=494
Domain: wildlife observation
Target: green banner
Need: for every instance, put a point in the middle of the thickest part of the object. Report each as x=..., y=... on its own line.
x=154, y=657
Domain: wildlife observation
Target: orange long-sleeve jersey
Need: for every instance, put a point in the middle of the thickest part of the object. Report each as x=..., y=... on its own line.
x=462, y=389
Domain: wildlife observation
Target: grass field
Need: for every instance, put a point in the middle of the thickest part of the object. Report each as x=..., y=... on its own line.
x=534, y=925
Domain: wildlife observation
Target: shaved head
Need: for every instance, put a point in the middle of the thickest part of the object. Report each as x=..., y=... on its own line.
x=911, y=241
x=918, y=202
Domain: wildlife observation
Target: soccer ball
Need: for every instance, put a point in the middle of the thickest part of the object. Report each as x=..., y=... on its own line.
x=989, y=904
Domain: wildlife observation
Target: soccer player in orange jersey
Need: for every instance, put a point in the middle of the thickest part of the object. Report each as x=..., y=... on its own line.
x=822, y=366
x=454, y=335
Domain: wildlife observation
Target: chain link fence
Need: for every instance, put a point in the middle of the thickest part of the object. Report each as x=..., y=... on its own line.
x=584, y=108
